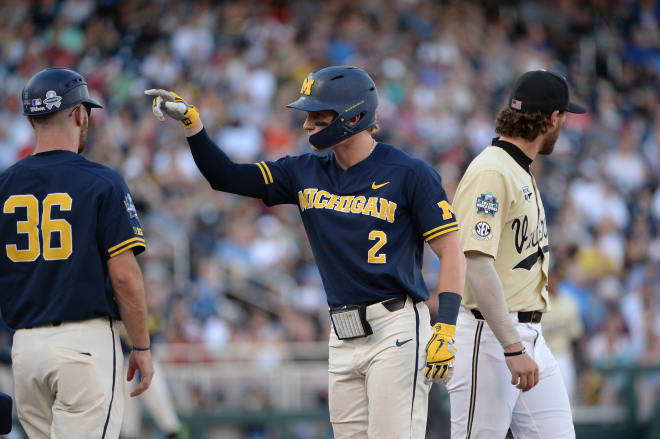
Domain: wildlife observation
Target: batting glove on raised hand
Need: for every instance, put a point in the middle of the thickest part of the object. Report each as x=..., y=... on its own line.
x=173, y=105
x=440, y=353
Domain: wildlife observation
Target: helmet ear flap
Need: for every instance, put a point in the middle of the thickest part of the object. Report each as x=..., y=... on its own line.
x=355, y=119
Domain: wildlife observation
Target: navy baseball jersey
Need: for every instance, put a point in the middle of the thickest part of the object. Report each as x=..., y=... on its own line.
x=366, y=225
x=63, y=217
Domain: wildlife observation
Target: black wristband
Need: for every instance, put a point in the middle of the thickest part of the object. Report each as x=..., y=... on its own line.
x=513, y=354
x=141, y=349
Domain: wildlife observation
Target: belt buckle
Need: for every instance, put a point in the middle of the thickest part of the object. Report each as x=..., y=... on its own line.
x=350, y=321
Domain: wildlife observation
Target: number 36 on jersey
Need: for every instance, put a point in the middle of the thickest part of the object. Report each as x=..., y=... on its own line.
x=34, y=220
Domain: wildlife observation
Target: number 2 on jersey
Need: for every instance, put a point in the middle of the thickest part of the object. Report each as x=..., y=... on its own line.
x=30, y=227
x=381, y=240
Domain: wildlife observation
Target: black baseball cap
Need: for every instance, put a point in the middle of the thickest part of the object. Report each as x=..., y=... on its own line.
x=542, y=91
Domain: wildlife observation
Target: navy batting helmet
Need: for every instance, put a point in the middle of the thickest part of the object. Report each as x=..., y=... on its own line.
x=348, y=91
x=55, y=89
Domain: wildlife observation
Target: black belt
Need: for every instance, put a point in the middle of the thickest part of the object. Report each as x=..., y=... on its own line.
x=53, y=323
x=523, y=316
x=393, y=304
x=350, y=321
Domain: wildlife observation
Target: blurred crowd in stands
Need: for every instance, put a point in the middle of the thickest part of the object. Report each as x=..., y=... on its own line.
x=221, y=268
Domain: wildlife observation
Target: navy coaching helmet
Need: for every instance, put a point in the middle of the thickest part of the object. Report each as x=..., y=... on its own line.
x=348, y=91
x=55, y=89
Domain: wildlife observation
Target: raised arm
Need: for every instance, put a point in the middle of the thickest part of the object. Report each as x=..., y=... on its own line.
x=218, y=169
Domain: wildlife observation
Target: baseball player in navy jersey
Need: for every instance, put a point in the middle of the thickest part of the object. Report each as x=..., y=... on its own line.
x=68, y=273
x=506, y=375
x=368, y=208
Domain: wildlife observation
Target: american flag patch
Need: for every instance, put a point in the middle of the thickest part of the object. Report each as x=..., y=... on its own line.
x=516, y=104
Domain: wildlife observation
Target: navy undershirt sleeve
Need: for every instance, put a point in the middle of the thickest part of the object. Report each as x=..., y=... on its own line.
x=221, y=172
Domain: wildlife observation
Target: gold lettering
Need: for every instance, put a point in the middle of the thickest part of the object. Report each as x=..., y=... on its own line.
x=302, y=201
x=387, y=209
x=377, y=207
x=345, y=204
x=370, y=207
x=309, y=197
x=357, y=204
x=320, y=203
x=306, y=88
x=353, y=106
x=333, y=202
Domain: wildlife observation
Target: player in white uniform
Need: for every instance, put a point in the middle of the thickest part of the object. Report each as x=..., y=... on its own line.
x=505, y=374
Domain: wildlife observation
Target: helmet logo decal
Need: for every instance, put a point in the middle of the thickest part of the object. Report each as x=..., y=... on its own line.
x=353, y=106
x=52, y=99
x=306, y=88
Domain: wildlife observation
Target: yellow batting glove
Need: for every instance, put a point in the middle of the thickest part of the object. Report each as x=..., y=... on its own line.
x=174, y=106
x=440, y=353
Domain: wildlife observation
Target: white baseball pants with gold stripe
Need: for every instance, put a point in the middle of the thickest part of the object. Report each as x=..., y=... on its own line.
x=377, y=387
x=484, y=403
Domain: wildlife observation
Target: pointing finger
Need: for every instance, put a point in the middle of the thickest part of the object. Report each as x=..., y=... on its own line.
x=166, y=95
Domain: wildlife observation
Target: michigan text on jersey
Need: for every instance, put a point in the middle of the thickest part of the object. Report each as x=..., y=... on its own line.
x=312, y=198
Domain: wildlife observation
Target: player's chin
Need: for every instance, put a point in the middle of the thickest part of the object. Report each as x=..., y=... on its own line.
x=548, y=146
x=309, y=134
x=547, y=149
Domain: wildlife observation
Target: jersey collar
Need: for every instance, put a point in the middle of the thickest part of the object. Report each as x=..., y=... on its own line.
x=366, y=162
x=515, y=153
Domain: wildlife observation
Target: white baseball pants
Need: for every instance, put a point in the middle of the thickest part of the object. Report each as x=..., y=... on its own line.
x=377, y=387
x=69, y=380
x=484, y=403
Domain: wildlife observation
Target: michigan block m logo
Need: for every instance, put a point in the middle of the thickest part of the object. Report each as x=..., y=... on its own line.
x=306, y=86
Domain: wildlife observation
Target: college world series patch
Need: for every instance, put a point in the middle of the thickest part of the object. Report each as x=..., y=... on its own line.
x=130, y=207
x=482, y=231
x=487, y=204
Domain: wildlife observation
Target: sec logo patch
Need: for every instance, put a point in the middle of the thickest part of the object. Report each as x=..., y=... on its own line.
x=482, y=231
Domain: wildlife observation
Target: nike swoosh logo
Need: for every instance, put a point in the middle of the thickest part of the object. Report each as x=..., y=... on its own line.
x=401, y=343
x=375, y=186
x=442, y=342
